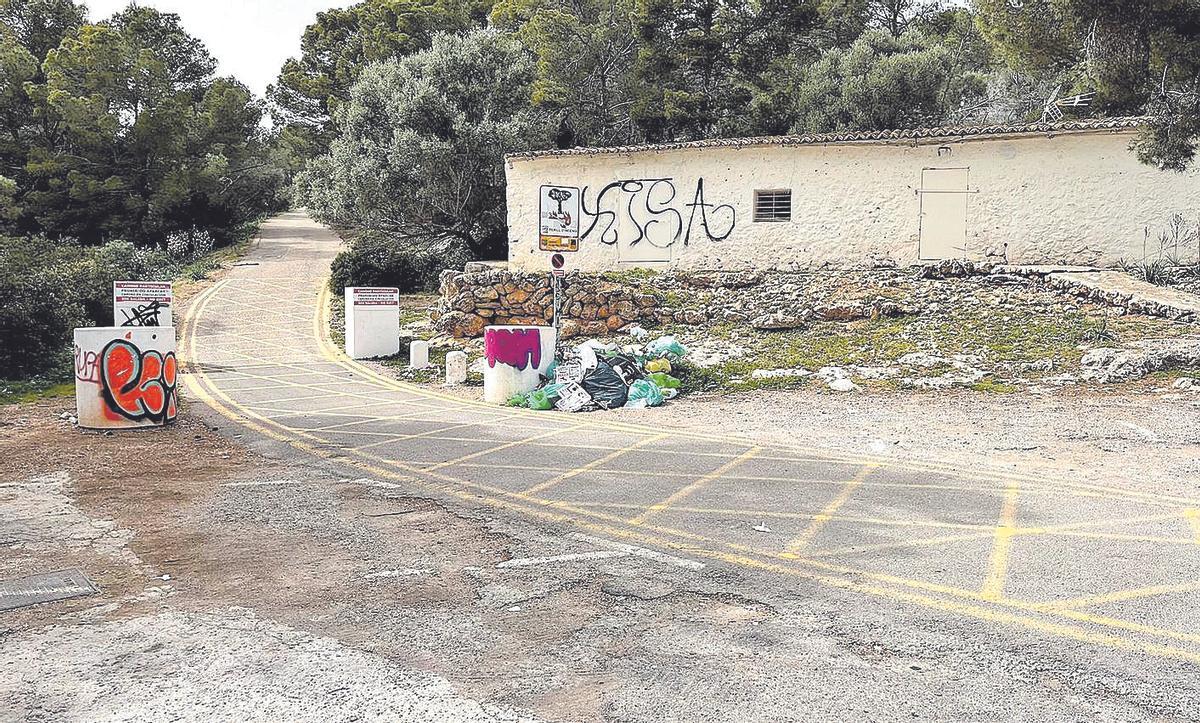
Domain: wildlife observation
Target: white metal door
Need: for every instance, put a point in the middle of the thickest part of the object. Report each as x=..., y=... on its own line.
x=944, y=194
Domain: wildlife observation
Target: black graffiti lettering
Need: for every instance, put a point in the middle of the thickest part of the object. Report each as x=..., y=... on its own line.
x=633, y=188
x=649, y=205
x=144, y=315
x=664, y=210
x=698, y=202
x=596, y=213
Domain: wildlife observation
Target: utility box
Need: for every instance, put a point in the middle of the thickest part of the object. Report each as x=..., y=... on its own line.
x=126, y=377
x=372, y=321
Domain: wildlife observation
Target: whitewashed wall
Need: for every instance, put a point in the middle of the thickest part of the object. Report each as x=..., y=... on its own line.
x=1076, y=198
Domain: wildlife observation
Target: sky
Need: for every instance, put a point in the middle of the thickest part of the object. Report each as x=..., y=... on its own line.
x=250, y=38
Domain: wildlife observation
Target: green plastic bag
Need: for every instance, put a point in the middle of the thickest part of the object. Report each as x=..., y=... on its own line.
x=666, y=348
x=644, y=393
x=540, y=401
x=553, y=391
x=665, y=381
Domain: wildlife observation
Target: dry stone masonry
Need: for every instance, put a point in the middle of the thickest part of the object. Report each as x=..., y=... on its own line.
x=591, y=306
x=599, y=304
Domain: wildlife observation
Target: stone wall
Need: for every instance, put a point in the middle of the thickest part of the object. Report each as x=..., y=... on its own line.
x=595, y=305
x=590, y=305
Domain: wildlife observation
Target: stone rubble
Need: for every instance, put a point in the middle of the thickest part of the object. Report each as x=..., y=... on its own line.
x=1108, y=365
x=729, y=313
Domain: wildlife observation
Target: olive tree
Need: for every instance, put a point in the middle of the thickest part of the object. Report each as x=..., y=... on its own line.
x=420, y=152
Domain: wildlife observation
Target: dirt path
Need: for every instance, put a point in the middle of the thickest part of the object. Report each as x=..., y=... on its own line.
x=600, y=567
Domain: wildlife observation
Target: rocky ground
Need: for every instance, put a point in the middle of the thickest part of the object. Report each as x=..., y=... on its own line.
x=878, y=330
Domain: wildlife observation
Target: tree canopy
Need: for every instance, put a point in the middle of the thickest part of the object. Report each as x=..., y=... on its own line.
x=119, y=129
x=422, y=141
x=341, y=44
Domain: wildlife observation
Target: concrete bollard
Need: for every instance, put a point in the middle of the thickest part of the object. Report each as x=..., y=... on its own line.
x=125, y=377
x=418, y=354
x=517, y=357
x=456, y=368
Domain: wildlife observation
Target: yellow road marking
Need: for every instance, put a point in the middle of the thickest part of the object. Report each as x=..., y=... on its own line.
x=1065, y=530
x=960, y=608
x=469, y=492
x=435, y=433
x=993, y=587
x=538, y=488
x=1193, y=517
x=818, y=522
x=693, y=487
x=1121, y=596
x=501, y=447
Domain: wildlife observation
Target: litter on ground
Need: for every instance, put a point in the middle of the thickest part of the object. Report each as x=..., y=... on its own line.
x=594, y=376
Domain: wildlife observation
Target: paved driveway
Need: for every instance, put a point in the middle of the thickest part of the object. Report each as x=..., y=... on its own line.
x=1104, y=571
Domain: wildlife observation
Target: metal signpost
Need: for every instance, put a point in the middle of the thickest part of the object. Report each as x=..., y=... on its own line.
x=558, y=233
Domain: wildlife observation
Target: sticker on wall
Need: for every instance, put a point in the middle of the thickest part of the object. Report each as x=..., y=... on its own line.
x=558, y=219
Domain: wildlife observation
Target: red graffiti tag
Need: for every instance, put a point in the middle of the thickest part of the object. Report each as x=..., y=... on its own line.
x=139, y=386
x=520, y=348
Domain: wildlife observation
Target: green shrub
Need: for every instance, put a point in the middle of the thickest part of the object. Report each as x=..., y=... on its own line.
x=39, y=305
x=117, y=261
x=375, y=259
x=48, y=288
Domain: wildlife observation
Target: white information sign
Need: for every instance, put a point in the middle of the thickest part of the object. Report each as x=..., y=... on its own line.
x=558, y=222
x=142, y=303
x=372, y=322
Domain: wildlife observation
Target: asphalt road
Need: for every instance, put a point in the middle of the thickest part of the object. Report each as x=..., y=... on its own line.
x=1027, y=595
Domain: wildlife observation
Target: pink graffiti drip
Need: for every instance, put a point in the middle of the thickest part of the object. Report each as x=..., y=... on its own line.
x=519, y=348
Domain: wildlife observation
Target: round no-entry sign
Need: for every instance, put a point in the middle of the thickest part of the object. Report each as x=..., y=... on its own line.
x=558, y=261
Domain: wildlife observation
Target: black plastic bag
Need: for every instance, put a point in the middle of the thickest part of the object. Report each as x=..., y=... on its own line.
x=606, y=387
x=626, y=367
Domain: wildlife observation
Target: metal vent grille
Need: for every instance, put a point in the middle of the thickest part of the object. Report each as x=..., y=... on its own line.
x=772, y=206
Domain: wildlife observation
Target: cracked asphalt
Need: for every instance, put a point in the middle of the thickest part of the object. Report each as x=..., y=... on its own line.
x=573, y=567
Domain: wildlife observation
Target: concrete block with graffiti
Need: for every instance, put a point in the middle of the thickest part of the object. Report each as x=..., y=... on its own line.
x=126, y=377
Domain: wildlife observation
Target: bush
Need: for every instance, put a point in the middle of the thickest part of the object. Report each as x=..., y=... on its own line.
x=189, y=245
x=39, y=305
x=116, y=261
x=375, y=259
x=48, y=288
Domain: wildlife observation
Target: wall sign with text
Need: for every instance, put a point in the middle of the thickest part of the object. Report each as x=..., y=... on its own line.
x=558, y=219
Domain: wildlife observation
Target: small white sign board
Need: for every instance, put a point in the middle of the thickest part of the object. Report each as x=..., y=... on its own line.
x=558, y=219
x=372, y=322
x=142, y=303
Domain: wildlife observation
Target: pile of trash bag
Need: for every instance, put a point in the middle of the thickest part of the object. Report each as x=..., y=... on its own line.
x=595, y=376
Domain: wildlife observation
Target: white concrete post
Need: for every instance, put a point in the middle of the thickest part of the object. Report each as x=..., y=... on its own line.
x=418, y=354
x=372, y=322
x=517, y=357
x=456, y=368
x=125, y=377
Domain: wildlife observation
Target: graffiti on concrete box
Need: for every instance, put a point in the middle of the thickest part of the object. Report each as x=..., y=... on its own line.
x=134, y=385
x=518, y=348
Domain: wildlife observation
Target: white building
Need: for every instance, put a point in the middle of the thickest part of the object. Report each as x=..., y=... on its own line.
x=1064, y=193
